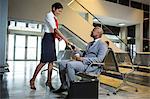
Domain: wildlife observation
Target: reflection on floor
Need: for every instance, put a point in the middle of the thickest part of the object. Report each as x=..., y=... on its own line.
x=16, y=85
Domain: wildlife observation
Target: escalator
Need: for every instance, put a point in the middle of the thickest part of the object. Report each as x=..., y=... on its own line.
x=81, y=27
x=79, y=41
x=116, y=43
x=72, y=37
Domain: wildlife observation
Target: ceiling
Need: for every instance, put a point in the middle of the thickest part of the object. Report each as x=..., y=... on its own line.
x=143, y=1
x=112, y=21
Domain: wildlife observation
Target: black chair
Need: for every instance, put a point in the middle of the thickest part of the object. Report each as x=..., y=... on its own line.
x=142, y=59
x=110, y=65
x=123, y=59
x=84, y=75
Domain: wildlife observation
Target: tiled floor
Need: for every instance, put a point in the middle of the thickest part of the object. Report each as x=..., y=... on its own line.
x=16, y=85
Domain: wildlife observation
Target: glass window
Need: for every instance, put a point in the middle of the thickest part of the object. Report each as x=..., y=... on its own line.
x=114, y=1
x=111, y=30
x=31, y=47
x=32, y=25
x=131, y=31
x=12, y=24
x=20, y=47
x=136, y=5
x=124, y=2
x=146, y=7
x=39, y=47
x=84, y=15
x=10, y=46
x=21, y=25
x=25, y=26
x=146, y=29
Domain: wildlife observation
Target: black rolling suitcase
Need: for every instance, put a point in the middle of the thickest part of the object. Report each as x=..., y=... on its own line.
x=85, y=89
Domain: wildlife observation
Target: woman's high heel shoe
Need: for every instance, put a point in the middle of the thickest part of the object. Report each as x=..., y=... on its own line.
x=48, y=83
x=32, y=86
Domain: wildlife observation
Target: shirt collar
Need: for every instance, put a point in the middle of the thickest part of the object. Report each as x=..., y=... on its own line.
x=52, y=14
x=96, y=40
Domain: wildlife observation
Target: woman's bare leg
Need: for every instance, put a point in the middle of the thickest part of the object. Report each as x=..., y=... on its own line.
x=49, y=74
x=38, y=68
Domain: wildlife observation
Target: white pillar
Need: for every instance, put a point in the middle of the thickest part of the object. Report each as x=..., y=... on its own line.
x=123, y=36
x=139, y=37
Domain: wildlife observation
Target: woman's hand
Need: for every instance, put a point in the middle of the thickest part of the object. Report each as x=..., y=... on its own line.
x=70, y=45
x=68, y=42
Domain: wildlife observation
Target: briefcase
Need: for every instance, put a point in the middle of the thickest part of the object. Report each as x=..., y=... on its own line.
x=85, y=89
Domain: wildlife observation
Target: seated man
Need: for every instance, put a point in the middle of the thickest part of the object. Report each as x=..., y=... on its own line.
x=95, y=52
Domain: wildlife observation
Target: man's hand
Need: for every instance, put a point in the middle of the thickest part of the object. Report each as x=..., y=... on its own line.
x=68, y=42
x=71, y=46
x=79, y=58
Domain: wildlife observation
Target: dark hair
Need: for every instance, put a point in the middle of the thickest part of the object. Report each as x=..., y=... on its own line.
x=57, y=5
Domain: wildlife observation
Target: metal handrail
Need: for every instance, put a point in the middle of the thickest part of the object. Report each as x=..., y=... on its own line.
x=73, y=32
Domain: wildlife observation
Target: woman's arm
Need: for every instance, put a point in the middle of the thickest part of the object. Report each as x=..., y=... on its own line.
x=61, y=35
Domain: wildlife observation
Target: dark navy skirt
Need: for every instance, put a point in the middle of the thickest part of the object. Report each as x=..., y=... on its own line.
x=48, y=51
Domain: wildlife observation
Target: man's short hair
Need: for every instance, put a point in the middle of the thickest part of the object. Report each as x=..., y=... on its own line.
x=97, y=27
x=57, y=5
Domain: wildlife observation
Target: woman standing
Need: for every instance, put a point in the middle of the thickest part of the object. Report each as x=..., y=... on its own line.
x=48, y=52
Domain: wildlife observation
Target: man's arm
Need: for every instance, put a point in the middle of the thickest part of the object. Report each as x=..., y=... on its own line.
x=101, y=54
x=79, y=51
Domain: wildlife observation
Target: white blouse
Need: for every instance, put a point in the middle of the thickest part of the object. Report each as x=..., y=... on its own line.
x=49, y=23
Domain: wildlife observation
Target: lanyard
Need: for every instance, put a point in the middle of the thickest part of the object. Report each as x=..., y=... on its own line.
x=56, y=21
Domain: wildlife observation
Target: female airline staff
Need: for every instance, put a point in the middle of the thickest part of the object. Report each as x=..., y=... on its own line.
x=48, y=52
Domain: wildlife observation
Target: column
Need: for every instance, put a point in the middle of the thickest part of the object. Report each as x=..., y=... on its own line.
x=123, y=36
x=139, y=37
x=149, y=30
x=3, y=32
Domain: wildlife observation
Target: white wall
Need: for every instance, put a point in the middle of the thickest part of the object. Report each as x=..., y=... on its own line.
x=30, y=9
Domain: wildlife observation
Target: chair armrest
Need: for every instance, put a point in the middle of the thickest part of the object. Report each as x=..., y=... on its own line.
x=96, y=64
x=86, y=75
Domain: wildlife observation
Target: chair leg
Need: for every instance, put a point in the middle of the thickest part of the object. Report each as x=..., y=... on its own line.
x=118, y=88
x=124, y=83
x=106, y=92
x=127, y=84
